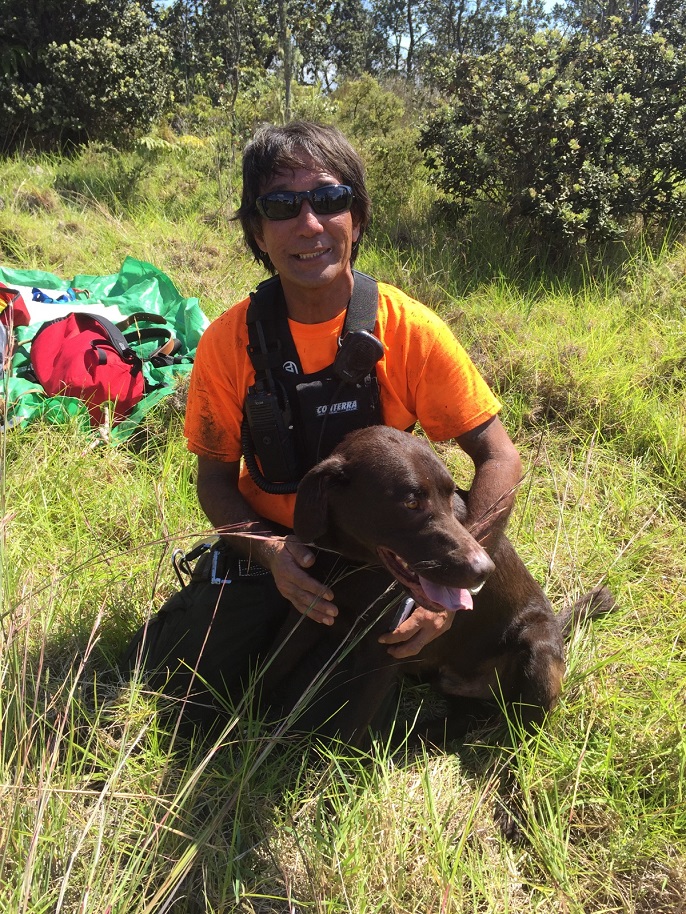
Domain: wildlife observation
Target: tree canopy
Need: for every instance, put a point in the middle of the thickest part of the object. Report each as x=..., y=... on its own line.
x=571, y=118
x=573, y=133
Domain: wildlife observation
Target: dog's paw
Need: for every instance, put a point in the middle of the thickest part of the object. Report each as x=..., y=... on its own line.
x=508, y=819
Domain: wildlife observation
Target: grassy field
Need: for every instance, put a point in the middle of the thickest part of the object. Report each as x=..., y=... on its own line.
x=105, y=808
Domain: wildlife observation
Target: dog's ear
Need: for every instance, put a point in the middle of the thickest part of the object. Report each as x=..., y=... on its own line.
x=460, y=504
x=310, y=520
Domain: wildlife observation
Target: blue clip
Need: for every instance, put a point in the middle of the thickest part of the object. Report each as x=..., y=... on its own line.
x=214, y=579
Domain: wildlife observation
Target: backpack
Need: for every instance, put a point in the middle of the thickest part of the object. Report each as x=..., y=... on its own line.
x=87, y=356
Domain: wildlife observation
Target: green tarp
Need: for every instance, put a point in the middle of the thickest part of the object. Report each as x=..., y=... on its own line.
x=138, y=286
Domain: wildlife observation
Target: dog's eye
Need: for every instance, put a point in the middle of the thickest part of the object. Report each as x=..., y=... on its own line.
x=412, y=503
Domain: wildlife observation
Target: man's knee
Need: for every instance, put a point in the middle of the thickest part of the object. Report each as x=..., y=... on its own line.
x=207, y=634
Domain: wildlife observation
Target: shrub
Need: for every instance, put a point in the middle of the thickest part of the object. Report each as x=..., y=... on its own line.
x=89, y=70
x=574, y=134
x=383, y=129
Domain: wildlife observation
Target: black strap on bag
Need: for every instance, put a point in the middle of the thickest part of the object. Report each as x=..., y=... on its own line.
x=113, y=334
x=123, y=343
x=167, y=353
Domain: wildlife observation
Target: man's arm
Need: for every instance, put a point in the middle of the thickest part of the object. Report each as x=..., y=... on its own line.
x=251, y=536
x=497, y=473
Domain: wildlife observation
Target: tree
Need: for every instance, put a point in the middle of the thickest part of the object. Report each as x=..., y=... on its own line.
x=356, y=48
x=286, y=55
x=463, y=26
x=420, y=34
x=337, y=43
x=400, y=22
x=78, y=70
x=601, y=17
x=218, y=46
x=669, y=20
x=573, y=134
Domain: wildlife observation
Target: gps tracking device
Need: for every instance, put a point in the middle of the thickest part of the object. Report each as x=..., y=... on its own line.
x=359, y=352
x=271, y=430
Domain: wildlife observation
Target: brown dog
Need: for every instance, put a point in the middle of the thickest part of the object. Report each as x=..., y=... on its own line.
x=384, y=499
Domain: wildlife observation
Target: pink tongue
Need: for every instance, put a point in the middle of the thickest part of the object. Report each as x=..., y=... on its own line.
x=450, y=598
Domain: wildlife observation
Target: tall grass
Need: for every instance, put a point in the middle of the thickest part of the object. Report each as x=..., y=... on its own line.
x=106, y=807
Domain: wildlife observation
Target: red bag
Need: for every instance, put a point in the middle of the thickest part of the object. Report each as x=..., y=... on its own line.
x=86, y=356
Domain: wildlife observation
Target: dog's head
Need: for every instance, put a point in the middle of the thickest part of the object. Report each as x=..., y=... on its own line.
x=384, y=497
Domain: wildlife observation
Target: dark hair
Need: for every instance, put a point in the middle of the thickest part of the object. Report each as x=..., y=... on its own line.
x=274, y=150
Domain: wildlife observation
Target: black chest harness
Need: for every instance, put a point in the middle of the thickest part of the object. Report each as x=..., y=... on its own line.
x=292, y=421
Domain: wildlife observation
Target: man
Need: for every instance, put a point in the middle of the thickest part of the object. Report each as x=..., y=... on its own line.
x=304, y=210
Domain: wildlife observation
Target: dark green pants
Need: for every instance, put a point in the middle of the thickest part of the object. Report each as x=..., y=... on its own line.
x=208, y=638
x=205, y=639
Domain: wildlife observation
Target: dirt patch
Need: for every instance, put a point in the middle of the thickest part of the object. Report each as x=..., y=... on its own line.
x=36, y=200
x=198, y=259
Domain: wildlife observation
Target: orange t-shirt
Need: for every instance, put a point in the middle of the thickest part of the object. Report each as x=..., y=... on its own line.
x=424, y=376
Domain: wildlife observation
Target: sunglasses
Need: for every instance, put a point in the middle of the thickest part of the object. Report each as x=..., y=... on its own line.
x=325, y=201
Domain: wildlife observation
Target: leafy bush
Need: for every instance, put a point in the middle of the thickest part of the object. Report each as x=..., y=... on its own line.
x=380, y=121
x=83, y=70
x=264, y=102
x=574, y=134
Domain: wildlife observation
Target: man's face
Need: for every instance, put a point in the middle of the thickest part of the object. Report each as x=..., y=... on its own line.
x=310, y=252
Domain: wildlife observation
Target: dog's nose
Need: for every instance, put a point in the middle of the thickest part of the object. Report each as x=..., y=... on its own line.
x=479, y=566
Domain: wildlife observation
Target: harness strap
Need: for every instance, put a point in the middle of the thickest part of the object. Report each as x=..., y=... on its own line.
x=361, y=313
x=271, y=343
x=286, y=413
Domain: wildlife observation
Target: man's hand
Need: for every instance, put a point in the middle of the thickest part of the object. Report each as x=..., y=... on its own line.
x=248, y=534
x=416, y=632
x=286, y=558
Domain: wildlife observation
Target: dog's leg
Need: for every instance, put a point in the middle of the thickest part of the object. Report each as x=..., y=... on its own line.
x=337, y=677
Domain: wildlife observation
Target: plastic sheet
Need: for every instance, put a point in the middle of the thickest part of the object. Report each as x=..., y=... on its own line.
x=138, y=286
